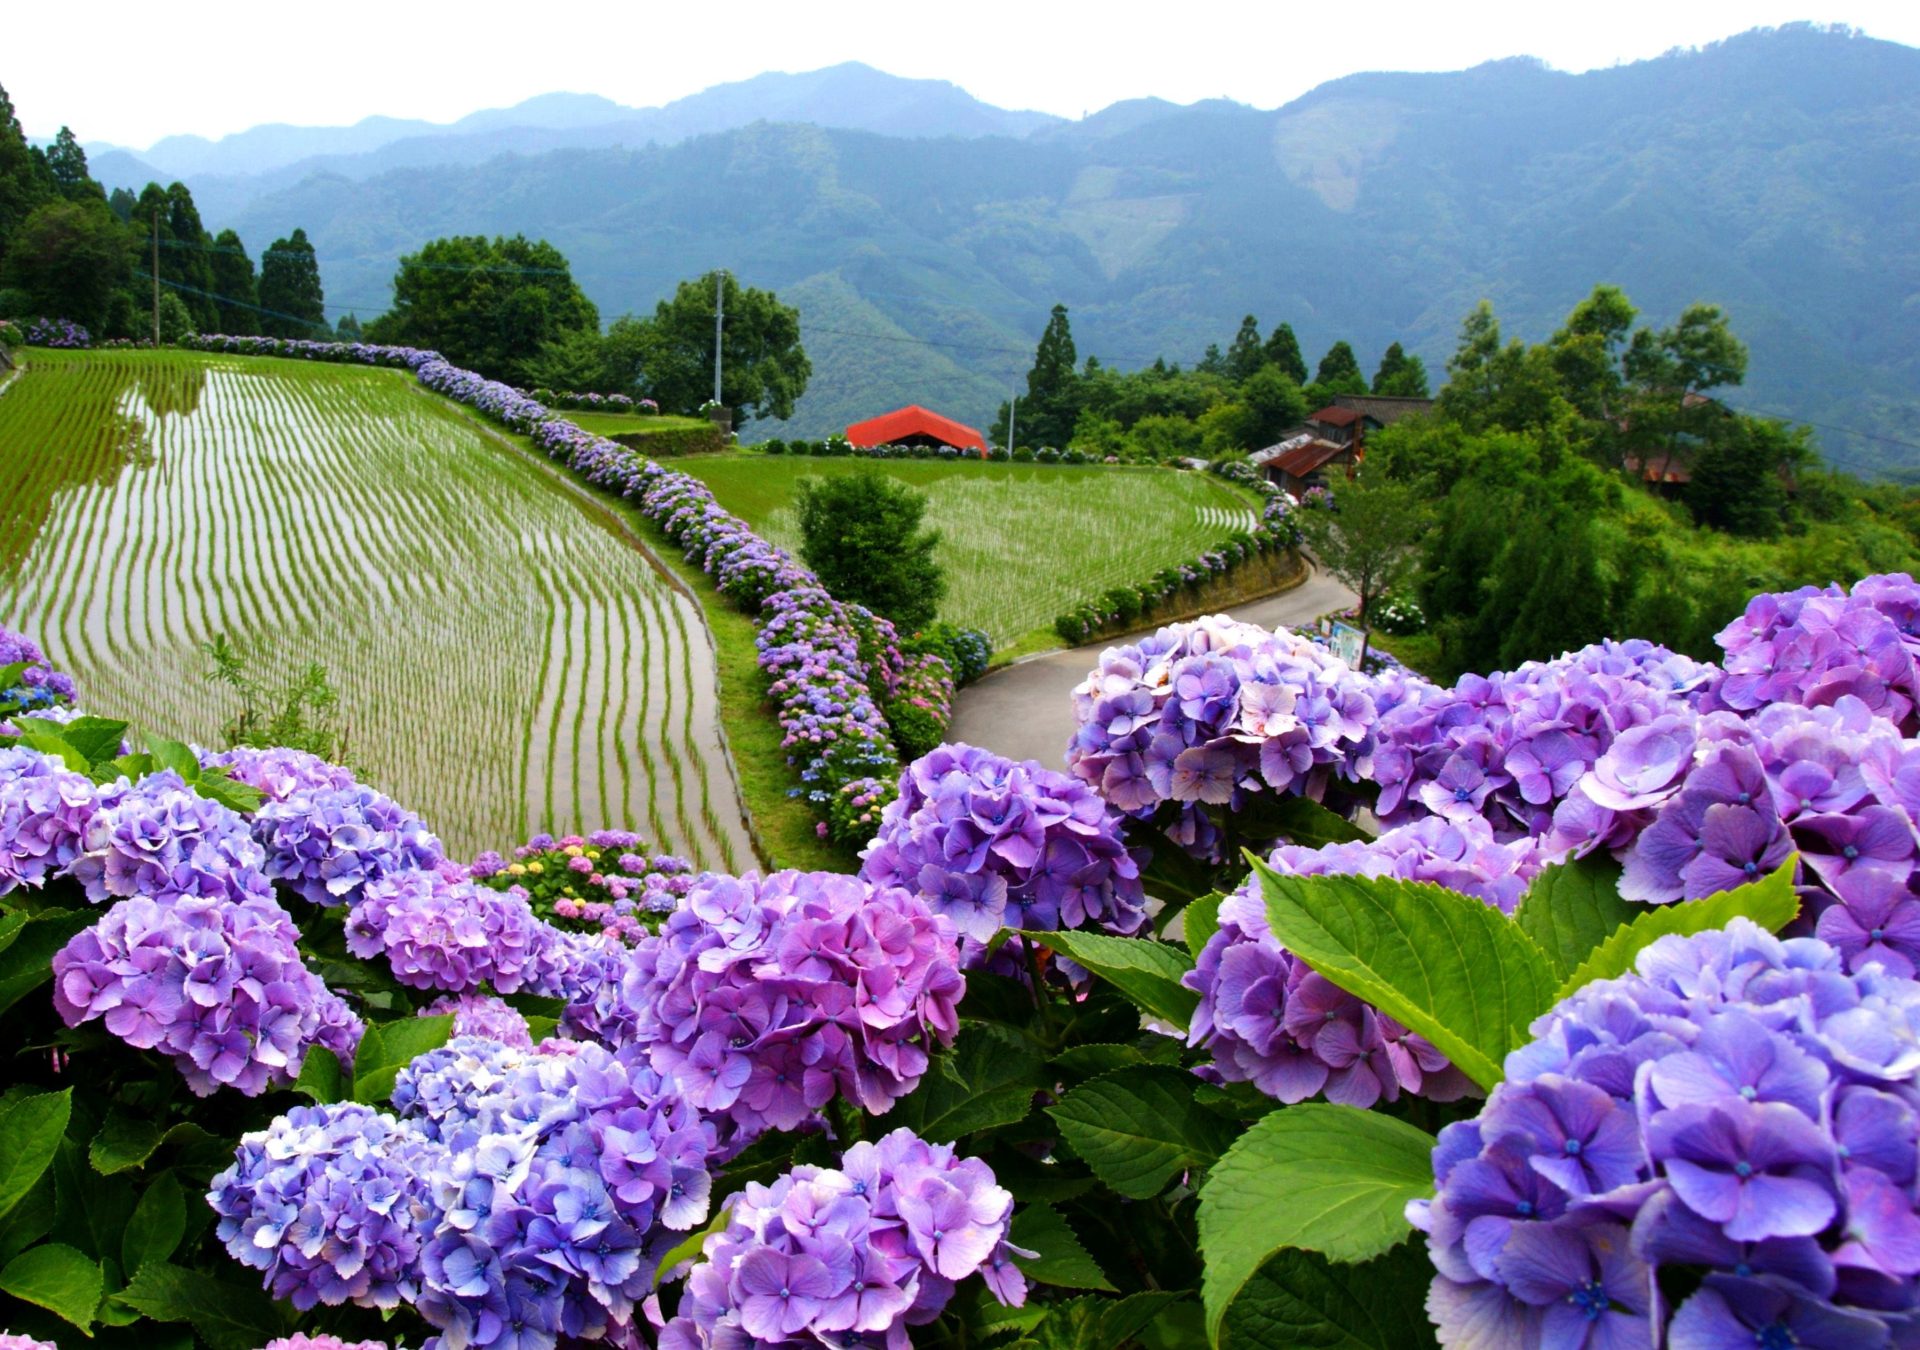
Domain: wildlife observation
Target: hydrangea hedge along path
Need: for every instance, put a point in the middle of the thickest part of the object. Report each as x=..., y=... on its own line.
x=1606, y=1036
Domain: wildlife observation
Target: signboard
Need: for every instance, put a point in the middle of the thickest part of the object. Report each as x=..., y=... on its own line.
x=1348, y=643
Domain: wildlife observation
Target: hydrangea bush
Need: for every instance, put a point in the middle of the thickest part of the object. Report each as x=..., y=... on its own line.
x=1506, y=967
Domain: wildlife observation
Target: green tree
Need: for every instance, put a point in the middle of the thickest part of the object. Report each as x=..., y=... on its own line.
x=1368, y=537
x=764, y=368
x=1274, y=403
x=861, y=534
x=22, y=188
x=1283, y=350
x=67, y=162
x=1698, y=353
x=290, y=289
x=1339, y=371
x=489, y=305
x=1556, y=597
x=1739, y=477
x=236, y=285
x=348, y=329
x=1052, y=404
x=176, y=320
x=1400, y=375
x=68, y=258
x=1588, y=350
x=1245, y=354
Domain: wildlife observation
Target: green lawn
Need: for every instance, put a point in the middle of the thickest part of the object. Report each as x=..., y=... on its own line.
x=1020, y=543
x=622, y=424
x=507, y=657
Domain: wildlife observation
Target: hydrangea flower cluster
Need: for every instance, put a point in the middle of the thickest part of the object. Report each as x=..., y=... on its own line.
x=39, y=685
x=1513, y=746
x=990, y=844
x=327, y=844
x=1212, y=711
x=484, y=1016
x=604, y=882
x=1269, y=1020
x=438, y=930
x=160, y=840
x=218, y=986
x=516, y=1197
x=14, y=1341
x=45, y=332
x=1812, y=646
x=763, y=996
x=279, y=772
x=1741, y=1112
x=44, y=810
x=300, y=1340
x=852, y=1255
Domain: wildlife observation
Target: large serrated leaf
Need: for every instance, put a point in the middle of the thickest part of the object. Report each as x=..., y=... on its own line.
x=159, y=1222
x=388, y=1047
x=1060, y=1259
x=1571, y=908
x=321, y=1076
x=1323, y=1178
x=1137, y=1127
x=1147, y=971
x=1304, y=1301
x=58, y=1278
x=1443, y=964
x=1200, y=921
x=227, y=1315
x=31, y=1128
x=1770, y=902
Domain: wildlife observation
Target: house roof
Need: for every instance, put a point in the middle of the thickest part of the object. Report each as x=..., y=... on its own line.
x=1383, y=408
x=1261, y=458
x=914, y=420
x=1301, y=460
x=1335, y=416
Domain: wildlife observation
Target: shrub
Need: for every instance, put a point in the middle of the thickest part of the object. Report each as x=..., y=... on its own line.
x=861, y=534
x=916, y=731
x=776, y=446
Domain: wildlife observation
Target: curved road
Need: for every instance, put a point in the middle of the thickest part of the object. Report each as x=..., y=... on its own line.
x=1025, y=711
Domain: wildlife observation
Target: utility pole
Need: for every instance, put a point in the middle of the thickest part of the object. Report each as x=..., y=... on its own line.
x=719, y=314
x=156, y=276
x=1013, y=406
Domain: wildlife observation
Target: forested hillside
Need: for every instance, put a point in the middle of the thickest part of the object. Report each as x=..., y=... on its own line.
x=1777, y=173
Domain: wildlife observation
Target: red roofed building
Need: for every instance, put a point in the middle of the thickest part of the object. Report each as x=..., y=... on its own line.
x=914, y=425
x=1332, y=438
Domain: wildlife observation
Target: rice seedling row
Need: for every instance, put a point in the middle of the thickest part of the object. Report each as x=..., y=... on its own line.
x=505, y=658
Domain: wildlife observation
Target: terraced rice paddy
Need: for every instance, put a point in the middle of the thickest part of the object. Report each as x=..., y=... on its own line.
x=507, y=660
x=1020, y=543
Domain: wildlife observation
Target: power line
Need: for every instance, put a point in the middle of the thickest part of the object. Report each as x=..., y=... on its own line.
x=229, y=300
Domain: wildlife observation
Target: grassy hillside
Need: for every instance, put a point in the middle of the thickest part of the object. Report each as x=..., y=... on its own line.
x=1019, y=543
x=507, y=660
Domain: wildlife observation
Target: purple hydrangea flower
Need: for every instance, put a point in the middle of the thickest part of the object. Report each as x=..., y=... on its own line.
x=158, y=839
x=762, y=997
x=850, y=1255
x=443, y=933
x=220, y=987
x=326, y=844
x=517, y=1196
x=44, y=811
x=989, y=844
x=1738, y=1114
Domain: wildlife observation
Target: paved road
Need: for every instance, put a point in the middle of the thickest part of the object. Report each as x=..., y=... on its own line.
x=1026, y=710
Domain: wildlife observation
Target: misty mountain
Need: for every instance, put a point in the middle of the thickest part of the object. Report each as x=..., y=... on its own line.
x=1777, y=173
x=233, y=170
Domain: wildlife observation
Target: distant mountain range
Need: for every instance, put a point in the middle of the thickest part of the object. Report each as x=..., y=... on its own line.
x=925, y=234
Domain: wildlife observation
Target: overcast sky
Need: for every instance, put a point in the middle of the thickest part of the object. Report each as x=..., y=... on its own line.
x=132, y=73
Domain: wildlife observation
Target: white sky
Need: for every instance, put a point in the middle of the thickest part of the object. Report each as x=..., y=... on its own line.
x=131, y=73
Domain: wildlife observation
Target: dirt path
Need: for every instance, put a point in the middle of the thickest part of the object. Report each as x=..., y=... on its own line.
x=1026, y=710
